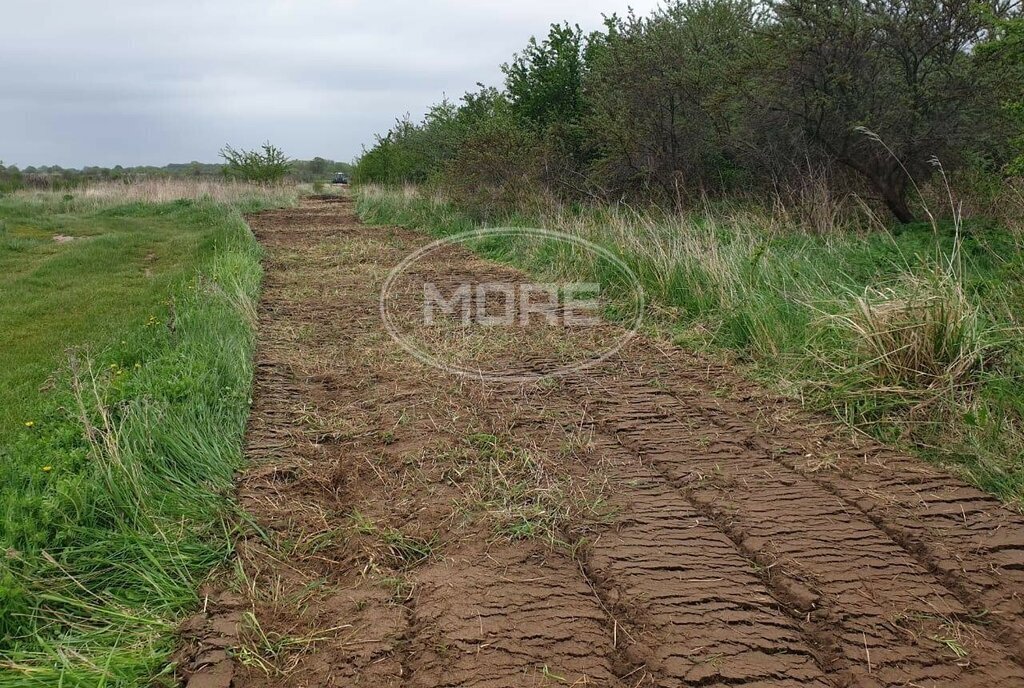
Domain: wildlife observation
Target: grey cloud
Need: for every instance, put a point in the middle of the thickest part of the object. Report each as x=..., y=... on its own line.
x=151, y=82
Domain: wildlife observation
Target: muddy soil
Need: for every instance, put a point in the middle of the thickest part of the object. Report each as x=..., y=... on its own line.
x=653, y=521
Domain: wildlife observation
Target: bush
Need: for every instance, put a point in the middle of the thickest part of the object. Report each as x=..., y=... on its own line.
x=10, y=179
x=268, y=165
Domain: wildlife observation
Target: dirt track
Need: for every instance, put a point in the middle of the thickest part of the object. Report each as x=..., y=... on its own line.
x=656, y=521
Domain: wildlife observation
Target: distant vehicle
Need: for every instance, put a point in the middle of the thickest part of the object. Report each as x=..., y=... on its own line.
x=340, y=178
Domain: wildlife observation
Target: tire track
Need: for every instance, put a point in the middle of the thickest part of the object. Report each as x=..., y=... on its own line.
x=965, y=538
x=707, y=618
x=686, y=608
x=888, y=619
x=515, y=617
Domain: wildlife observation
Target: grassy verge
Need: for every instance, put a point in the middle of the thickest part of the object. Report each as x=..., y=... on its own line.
x=124, y=395
x=912, y=336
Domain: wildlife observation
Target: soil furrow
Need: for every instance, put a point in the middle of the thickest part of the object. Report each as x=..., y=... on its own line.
x=965, y=538
x=889, y=619
x=689, y=609
x=515, y=617
x=706, y=618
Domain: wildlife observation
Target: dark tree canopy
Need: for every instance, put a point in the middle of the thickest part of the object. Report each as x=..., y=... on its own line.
x=720, y=97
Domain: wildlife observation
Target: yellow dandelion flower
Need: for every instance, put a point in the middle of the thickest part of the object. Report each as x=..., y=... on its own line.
x=47, y=469
x=29, y=423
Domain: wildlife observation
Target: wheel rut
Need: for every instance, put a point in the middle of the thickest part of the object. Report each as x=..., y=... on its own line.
x=876, y=614
x=653, y=521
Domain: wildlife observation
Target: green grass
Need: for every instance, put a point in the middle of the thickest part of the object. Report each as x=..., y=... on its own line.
x=124, y=393
x=912, y=335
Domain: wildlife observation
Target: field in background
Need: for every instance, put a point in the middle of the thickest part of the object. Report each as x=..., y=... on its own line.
x=911, y=335
x=83, y=269
x=101, y=194
x=123, y=398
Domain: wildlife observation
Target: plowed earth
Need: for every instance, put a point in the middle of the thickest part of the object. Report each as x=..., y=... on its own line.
x=653, y=521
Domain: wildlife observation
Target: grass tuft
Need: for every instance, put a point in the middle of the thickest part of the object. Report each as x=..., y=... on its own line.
x=391, y=548
x=925, y=334
x=523, y=501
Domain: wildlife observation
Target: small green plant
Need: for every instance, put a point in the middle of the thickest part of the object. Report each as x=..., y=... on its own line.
x=395, y=549
x=522, y=500
x=274, y=653
x=550, y=676
x=401, y=588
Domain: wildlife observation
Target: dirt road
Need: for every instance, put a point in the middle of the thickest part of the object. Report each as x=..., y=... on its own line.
x=654, y=521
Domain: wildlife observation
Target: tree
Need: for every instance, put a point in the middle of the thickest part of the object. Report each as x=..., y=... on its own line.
x=544, y=86
x=267, y=165
x=545, y=81
x=667, y=98
x=396, y=158
x=1002, y=59
x=495, y=164
x=10, y=178
x=732, y=97
x=901, y=69
x=318, y=166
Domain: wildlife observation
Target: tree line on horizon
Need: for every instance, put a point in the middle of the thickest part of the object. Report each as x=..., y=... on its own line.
x=13, y=178
x=734, y=98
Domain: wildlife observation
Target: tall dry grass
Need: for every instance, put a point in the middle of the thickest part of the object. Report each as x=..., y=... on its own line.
x=165, y=190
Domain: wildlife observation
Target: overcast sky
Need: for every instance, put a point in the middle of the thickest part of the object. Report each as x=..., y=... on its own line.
x=106, y=82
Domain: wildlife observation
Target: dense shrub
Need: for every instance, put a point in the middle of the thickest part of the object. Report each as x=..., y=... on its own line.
x=714, y=98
